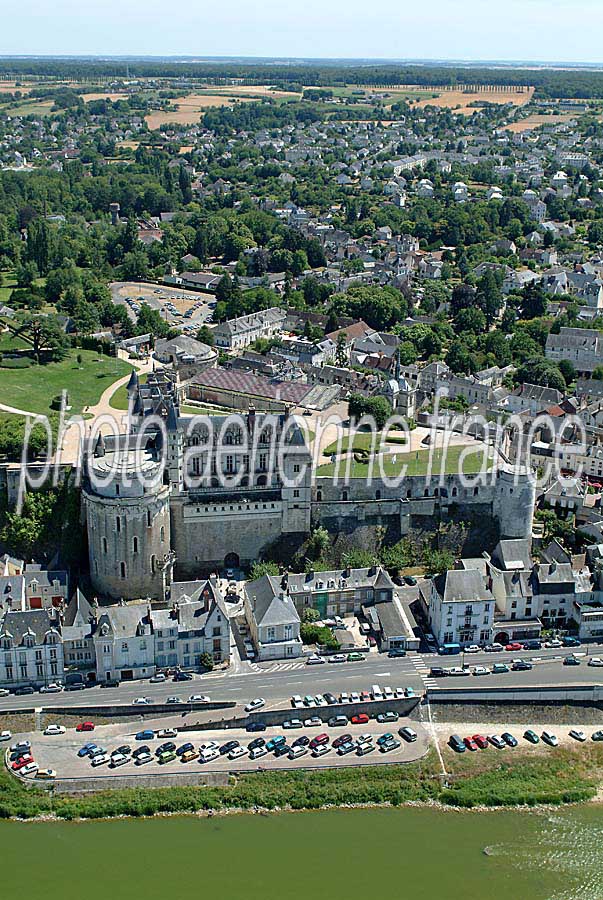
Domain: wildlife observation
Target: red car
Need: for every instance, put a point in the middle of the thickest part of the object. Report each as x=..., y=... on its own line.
x=85, y=726
x=481, y=741
x=318, y=740
x=365, y=696
x=359, y=719
x=22, y=761
x=342, y=739
x=514, y=645
x=469, y=743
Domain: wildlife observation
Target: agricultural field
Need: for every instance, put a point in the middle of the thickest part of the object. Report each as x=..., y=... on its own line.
x=192, y=106
x=536, y=119
x=462, y=99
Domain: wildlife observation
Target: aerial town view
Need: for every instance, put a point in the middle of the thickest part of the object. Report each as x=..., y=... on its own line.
x=301, y=451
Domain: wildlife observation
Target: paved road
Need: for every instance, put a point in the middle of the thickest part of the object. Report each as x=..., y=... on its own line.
x=278, y=681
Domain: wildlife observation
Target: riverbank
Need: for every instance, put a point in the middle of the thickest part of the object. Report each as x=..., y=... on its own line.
x=483, y=780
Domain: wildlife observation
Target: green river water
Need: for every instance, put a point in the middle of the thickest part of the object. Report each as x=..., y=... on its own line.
x=422, y=854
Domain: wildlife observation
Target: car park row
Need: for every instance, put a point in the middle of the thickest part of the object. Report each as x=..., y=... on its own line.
x=506, y=739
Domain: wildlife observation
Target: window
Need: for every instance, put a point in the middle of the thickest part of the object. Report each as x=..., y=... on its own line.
x=153, y=563
x=149, y=518
x=296, y=493
x=104, y=545
x=122, y=570
x=296, y=468
x=124, y=647
x=118, y=524
x=162, y=534
x=135, y=545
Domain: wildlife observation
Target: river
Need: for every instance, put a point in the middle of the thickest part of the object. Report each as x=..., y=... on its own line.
x=415, y=853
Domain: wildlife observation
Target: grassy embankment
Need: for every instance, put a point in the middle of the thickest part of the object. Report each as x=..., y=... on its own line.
x=484, y=780
x=416, y=461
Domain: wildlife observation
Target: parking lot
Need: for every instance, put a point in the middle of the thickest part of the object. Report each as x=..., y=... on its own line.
x=182, y=309
x=60, y=752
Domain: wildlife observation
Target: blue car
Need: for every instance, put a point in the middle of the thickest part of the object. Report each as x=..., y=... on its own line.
x=85, y=750
x=256, y=726
x=147, y=735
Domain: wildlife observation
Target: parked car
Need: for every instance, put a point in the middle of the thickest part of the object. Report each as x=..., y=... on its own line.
x=481, y=670
x=500, y=668
x=301, y=741
x=228, y=747
x=408, y=734
x=157, y=678
x=85, y=726
x=330, y=698
x=342, y=739
x=355, y=657
x=168, y=747
x=554, y=643
x=514, y=645
x=388, y=747
x=29, y=769
x=297, y=702
x=296, y=752
x=275, y=742
x=182, y=676
x=318, y=740
x=570, y=641
x=472, y=648
x=24, y=689
x=167, y=733
x=437, y=672
x=315, y=660
x=140, y=751
x=258, y=742
x=497, y=741
x=142, y=759
x=20, y=763
x=255, y=726
x=494, y=648
x=123, y=750
x=384, y=738
x=470, y=744
x=146, y=735
x=549, y=738
x=85, y=750
x=347, y=747
x=320, y=750
x=531, y=736
x=595, y=661
x=509, y=739
x=5, y=735
x=52, y=688
x=209, y=755
x=481, y=741
x=184, y=748
x=359, y=719
x=237, y=752
x=101, y=760
x=117, y=760
x=533, y=644
x=283, y=750
x=337, y=658
x=293, y=723
x=255, y=704
x=577, y=735
x=338, y=721
x=458, y=672
x=55, y=729
x=388, y=716
x=396, y=652
x=168, y=756
x=313, y=722
x=597, y=736
x=257, y=752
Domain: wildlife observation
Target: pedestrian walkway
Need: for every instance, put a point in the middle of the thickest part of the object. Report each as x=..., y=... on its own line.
x=422, y=670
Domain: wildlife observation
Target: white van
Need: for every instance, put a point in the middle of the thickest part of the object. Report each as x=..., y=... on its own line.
x=376, y=692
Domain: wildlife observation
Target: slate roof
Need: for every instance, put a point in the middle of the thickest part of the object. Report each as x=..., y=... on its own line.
x=269, y=608
x=461, y=586
x=35, y=621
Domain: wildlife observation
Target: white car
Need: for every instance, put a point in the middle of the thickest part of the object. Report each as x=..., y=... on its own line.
x=337, y=658
x=364, y=739
x=293, y=723
x=472, y=648
x=313, y=722
x=208, y=746
x=315, y=660
x=555, y=643
x=173, y=700
x=141, y=701
x=258, y=752
x=481, y=670
x=55, y=729
x=101, y=760
x=457, y=671
x=158, y=678
x=52, y=688
x=320, y=700
x=118, y=759
x=5, y=735
x=209, y=755
x=237, y=753
x=199, y=698
x=297, y=702
x=142, y=759
x=321, y=750
x=4, y=692
x=595, y=661
x=354, y=697
x=577, y=735
x=30, y=769
x=167, y=732
x=388, y=693
x=255, y=704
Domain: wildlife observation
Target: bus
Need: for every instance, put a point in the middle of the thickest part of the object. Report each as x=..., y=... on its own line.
x=449, y=649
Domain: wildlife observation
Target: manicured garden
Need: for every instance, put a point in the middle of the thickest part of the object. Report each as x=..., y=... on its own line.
x=417, y=462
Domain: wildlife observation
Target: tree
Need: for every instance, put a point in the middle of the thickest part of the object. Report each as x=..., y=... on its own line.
x=27, y=274
x=340, y=351
x=150, y=321
x=318, y=543
x=206, y=662
x=568, y=370
x=45, y=335
x=377, y=407
x=541, y=371
x=533, y=301
x=461, y=360
x=598, y=373
x=206, y=336
x=259, y=569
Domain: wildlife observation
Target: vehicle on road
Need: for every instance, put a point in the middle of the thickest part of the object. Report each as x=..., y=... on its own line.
x=408, y=734
x=315, y=660
x=167, y=733
x=157, y=678
x=337, y=658
x=531, y=736
x=549, y=738
x=55, y=729
x=396, y=652
x=199, y=698
x=437, y=672
x=174, y=700
x=481, y=670
x=146, y=735
x=577, y=735
x=255, y=704
x=141, y=701
x=521, y=665
x=472, y=648
x=571, y=661
x=85, y=726
x=52, y=688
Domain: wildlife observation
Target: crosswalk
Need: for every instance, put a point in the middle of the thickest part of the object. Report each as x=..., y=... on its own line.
x=422, y=670
x=285, y=667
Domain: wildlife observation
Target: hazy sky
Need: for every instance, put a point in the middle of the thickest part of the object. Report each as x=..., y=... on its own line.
x=547, y=30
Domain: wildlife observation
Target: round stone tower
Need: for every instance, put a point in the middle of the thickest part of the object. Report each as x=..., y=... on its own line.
x=514, y=498
x=127, y=509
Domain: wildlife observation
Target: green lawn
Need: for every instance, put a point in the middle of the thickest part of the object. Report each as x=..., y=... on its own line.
x=6, y=288
x=33, y=389
x=361, y=441
x=416, y=463
x=119, y=400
